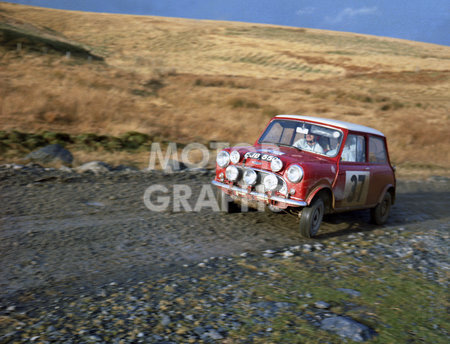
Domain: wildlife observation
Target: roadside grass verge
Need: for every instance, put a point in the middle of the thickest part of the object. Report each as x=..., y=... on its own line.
x=89, y=141
x=131, y=148
x=400, y=305
x=259, y=299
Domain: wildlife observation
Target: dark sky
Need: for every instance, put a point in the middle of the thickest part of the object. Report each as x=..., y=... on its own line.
x=417, y=20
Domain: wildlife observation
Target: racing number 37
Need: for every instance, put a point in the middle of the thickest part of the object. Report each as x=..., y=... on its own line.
x=356, y=187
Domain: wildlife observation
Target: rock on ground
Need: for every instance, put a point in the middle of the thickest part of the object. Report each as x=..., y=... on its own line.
x=174, y=166
x=347, y=328
x=94, y=166
x=51, y=153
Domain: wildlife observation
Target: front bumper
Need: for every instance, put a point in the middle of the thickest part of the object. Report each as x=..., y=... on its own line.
x=260, y=196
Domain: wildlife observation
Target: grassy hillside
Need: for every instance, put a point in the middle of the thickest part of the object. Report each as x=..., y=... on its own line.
x=190, y=80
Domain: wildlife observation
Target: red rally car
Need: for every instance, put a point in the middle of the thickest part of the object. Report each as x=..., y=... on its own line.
x=310, y=166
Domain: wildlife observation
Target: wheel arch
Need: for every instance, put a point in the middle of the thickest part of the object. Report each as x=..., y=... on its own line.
x=327, y=195
x=391, y=189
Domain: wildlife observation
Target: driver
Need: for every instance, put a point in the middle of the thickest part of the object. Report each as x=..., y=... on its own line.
x=309, y=143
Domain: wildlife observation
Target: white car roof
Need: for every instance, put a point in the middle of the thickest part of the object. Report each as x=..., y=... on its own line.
x=334, y=122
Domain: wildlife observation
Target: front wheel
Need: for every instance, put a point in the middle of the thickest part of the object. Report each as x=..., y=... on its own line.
x=311, y=218
x=380, y=213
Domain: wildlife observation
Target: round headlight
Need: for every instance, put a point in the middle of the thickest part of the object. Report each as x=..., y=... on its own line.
x=235, y=157
x=276, y=165
x=250, y=177
x=270, y=182
x=294, y=173
x=232, y=173
x=223, y=159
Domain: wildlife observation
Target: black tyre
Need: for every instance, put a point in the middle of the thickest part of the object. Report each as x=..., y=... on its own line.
x=380, y=213
x=225, y=202
x=311, y=218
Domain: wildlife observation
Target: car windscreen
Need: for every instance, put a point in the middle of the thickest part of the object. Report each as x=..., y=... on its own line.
x=304, y=136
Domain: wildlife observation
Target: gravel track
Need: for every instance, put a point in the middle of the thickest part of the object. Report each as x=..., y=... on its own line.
x=67, y=236
x=58, y=226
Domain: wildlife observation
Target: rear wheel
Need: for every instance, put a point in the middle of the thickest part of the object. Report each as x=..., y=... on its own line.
x=311, y=218
x=380, y=213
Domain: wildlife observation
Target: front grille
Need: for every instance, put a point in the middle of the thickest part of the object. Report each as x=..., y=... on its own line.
x=259, y=187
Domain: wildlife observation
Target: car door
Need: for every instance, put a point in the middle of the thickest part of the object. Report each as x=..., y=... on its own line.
x=382, y=175
x=351, y=189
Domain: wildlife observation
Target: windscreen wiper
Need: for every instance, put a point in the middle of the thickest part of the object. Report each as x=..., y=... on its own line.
x=286, y=145
x=278, y=144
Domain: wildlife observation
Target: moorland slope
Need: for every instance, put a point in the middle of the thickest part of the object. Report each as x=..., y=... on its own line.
x=190, y=80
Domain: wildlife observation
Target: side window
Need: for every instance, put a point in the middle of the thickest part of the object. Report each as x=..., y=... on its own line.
x=377, y=151
x=354, y=149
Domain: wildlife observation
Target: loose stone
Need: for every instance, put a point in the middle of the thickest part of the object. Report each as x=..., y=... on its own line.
x=347, y=328
x=322, y=305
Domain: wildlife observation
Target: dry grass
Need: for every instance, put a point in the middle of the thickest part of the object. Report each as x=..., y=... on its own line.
x=188, y=80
